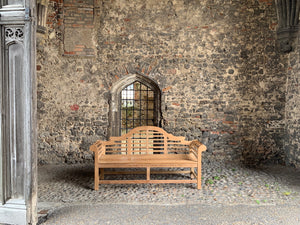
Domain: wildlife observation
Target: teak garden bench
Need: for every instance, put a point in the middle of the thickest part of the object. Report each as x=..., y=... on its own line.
x=147, y=147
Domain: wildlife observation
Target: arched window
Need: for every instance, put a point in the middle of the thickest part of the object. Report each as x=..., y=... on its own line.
x=137, y=106
x=135, y=102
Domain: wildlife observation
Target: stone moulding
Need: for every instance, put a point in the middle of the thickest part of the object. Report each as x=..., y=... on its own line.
x=14, y=34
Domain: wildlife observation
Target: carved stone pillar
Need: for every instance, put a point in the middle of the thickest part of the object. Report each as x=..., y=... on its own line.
x=18, y=188
x=41, y=17
x=288, y=23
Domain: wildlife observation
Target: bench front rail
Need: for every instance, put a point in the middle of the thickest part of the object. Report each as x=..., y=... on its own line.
x=147, y=147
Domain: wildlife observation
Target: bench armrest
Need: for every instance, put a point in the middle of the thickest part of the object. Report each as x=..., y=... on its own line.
x=98, y=148
x=196, y=148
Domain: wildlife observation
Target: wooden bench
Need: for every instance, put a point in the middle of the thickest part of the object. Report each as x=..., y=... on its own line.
x=147, y=147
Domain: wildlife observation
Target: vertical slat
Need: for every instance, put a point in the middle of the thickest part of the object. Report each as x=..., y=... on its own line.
x=147, y=137
x=165, y=144
x=140, y=101
x=148, y=173
x=129, y=149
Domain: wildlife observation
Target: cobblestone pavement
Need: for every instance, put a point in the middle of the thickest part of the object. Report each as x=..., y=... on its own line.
x=224, y=184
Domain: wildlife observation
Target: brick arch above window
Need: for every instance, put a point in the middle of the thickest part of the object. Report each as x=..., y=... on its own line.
x=116, y=100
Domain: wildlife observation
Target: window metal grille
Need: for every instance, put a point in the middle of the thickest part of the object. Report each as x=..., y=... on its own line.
x=137, y=106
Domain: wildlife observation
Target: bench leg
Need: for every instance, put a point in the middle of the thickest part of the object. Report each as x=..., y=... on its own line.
x=96, y=178
x=199, y=177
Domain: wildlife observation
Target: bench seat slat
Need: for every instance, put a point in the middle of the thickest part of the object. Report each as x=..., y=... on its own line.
x=140, y=161
x=143, y=165
x=148, y=157
x=148, y=181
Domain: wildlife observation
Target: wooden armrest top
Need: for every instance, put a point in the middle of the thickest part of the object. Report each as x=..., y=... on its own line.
x=200, y=147
x=96, y=147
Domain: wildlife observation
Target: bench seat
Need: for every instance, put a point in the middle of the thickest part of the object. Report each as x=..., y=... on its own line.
x=143, y=161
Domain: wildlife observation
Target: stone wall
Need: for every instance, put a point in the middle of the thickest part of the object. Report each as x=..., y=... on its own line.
x=221, y=78
x=292, y=141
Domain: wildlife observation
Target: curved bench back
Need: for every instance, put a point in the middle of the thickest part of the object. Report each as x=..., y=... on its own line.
x=147, y=140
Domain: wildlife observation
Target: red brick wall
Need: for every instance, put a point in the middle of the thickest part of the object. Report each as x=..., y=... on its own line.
x=75, y=20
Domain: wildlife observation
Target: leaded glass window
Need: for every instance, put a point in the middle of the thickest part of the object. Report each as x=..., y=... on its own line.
x=137, y=106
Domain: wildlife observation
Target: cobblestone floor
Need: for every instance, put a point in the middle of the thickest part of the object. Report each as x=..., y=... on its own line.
x=223, y=184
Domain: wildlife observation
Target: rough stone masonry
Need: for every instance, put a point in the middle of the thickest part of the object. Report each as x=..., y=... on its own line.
x=292, y=116
x=222, y=79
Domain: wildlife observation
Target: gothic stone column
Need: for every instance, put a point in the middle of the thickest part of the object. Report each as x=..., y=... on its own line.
x=18, y=183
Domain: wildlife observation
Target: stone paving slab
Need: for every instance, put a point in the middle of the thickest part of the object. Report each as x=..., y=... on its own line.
x=223, y=184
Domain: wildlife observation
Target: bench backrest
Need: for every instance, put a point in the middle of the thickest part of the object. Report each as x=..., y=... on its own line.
x=147, y=140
